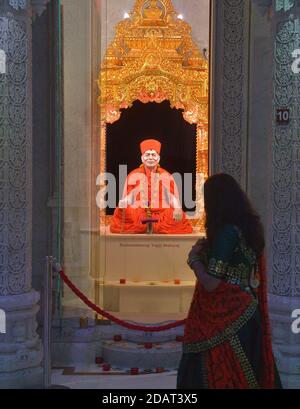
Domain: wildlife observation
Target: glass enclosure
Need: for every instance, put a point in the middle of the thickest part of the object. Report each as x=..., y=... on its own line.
x=131, y=70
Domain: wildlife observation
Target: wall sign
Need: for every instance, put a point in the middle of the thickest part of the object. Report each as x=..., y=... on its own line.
x=283, y=116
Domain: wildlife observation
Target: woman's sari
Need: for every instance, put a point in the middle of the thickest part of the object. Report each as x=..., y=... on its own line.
x=227, y=342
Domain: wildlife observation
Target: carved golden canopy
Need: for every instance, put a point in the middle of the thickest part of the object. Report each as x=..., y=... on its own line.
x=153, y=58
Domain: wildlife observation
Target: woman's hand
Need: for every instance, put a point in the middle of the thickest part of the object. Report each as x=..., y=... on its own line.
x=196, y=264
x=201, y=244
x=198, y=248
x=208, y=282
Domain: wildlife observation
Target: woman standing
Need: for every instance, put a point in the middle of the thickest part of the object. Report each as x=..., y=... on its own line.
x=227, y=342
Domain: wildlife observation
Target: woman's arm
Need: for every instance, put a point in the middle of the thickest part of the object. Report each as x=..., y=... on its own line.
x=208, y=282
x=214, y=269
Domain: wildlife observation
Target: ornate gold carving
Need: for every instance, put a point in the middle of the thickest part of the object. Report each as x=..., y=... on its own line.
x=152, y=11
x=153, y=58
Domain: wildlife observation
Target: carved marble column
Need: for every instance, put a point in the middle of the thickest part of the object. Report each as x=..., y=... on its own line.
x=263, y=156
x=230, y=48
x=20, y=347
x=284, y=252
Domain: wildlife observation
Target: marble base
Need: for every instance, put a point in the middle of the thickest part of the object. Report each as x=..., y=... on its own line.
x=132, y=355
x=69, y=354
x=20, y=347
x=72, y=345
x=31, y=378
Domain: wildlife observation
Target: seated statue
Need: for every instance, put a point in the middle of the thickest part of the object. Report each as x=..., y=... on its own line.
x=150, y=193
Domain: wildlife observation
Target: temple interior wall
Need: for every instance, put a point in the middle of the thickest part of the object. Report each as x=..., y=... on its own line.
x=259, y=166
x=258, y=130
x=262, y=155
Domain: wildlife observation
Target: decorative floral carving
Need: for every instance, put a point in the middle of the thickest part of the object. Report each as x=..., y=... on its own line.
x=231, y=88
x=15, y=153
x=286, y=175
x=38, y=6
x=18, y=4
x=284, y=5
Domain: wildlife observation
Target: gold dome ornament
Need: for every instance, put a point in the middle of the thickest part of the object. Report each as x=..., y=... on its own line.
x=152, y=11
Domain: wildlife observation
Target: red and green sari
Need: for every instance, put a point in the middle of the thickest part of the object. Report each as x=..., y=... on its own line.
x=227, y=342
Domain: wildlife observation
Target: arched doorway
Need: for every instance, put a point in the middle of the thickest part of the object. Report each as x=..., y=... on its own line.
x=153, y=59
x=143, y=121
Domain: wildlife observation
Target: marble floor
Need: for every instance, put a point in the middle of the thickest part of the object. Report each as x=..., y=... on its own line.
x=152, y=381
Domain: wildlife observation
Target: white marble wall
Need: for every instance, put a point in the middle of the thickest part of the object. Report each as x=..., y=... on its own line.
x=77, y=142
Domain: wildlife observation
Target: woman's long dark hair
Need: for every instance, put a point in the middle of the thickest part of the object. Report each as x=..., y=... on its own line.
x=226, y=203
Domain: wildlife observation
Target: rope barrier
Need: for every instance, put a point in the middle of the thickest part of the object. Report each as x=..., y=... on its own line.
x=112, y=318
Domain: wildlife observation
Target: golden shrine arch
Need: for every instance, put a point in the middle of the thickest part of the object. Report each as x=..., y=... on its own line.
x=153, y=58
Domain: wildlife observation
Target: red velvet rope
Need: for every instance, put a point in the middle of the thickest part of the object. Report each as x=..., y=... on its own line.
x=110, y=317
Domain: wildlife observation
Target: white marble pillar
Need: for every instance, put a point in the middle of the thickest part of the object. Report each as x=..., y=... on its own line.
x=280, y=170
x=230, y=90
x=252, y=78
x=20, y=346
x=77, y=150
x=284, y=254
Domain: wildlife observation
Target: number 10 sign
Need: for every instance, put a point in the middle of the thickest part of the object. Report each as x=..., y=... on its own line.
x=283, y=116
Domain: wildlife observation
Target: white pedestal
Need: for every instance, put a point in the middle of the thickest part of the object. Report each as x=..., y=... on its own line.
x=147, y=297
x=147, y=257
x=150, y=264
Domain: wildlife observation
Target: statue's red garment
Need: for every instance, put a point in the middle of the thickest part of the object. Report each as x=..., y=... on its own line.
x=151, y=198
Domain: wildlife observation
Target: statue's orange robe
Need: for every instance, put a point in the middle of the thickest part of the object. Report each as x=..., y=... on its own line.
x=159, y=184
